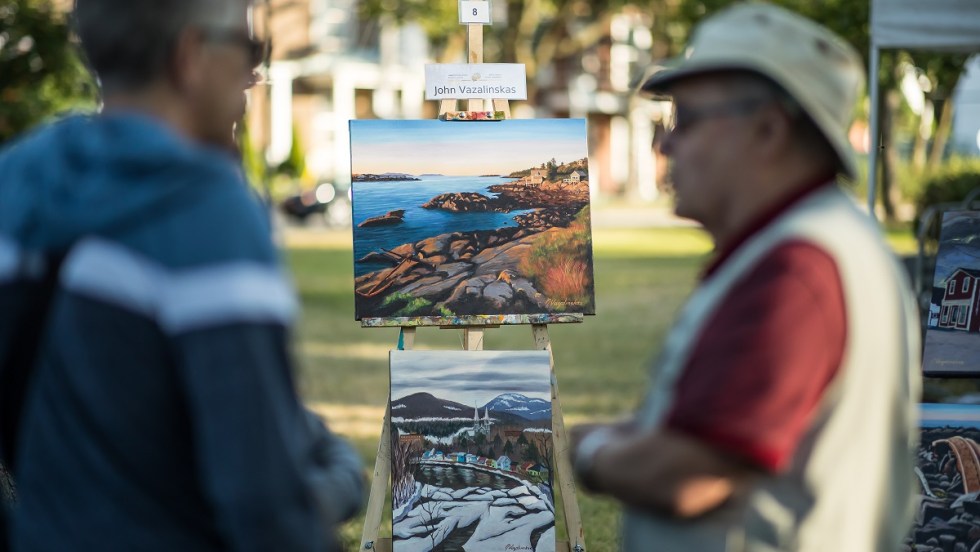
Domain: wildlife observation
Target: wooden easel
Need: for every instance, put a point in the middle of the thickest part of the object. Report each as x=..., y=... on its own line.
x=473, y=341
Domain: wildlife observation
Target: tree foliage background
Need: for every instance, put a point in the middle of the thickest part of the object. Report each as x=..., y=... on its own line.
x=40, y=71
x=537, y=32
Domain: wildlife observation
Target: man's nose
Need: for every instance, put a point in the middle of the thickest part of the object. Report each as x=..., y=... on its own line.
x=253, y=78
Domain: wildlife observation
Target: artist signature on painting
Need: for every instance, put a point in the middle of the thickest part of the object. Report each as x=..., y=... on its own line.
x=516, y=547
x=554, y=304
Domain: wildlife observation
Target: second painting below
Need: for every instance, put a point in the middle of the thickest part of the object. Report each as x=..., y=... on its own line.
x=472, y=459
x=457, y=219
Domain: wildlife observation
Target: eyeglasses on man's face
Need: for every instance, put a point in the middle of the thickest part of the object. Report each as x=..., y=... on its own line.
x=254, y=49
x=686, y=117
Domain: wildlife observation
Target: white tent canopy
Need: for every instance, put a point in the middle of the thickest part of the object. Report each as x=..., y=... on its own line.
x=940, y=25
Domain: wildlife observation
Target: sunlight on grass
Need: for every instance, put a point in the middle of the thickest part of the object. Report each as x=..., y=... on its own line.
x=902, y=241
x=334, y=351
x=317, y=239
x=650, y=242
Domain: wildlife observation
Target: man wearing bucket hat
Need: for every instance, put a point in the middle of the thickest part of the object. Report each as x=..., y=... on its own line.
x=782, y=411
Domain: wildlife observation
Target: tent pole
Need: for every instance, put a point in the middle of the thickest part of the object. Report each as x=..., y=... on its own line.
x=874, y=138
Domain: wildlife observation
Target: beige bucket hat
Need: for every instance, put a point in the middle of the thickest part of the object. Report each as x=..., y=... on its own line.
x=817, y=68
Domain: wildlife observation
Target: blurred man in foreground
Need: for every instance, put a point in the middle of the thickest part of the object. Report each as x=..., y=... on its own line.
x=782, y=411
x=160, y=411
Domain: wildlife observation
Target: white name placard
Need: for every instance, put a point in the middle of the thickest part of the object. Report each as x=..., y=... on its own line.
x=461, y=81
x=474, y=11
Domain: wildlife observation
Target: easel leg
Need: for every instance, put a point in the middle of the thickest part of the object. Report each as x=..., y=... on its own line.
x=379, y=485
x=566, y=481
x=382, y=465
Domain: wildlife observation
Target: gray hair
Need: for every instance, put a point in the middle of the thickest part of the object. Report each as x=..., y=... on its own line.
x=806, y=134
x=128, y=43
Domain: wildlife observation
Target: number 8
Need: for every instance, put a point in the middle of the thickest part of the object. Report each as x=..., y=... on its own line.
x=474, y=11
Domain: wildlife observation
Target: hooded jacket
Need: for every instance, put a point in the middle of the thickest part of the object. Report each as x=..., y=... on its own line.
x=143, y=307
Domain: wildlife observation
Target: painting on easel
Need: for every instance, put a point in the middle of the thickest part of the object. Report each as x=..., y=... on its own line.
x=949, y=485
x=471, y=219
x=952, y=342
x=472, y=463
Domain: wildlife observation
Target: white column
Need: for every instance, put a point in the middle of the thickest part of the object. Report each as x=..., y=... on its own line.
x=644, y=161
x=343, y=105
x=280, y=114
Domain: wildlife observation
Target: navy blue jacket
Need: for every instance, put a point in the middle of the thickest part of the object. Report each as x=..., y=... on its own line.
x=161, y=412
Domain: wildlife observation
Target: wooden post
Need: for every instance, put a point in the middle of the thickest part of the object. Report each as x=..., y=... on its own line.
x=473, y=339
x=474, y=40
x=566, y=479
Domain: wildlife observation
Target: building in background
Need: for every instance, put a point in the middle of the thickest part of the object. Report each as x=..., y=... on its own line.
x=329, y=66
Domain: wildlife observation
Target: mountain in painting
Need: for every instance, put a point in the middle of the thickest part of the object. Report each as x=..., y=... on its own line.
x=520, y=405
x=427, y=405
x=509, y=408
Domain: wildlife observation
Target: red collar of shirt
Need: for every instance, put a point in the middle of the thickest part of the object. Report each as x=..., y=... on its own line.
x=763, y=220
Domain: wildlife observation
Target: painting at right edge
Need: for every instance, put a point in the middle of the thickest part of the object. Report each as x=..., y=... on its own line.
x=952, y=340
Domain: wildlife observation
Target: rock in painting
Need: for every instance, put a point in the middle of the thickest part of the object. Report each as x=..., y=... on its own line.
x=948, y=475
x=387, y=219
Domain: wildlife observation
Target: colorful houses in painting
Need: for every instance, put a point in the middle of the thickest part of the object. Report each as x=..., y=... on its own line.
x=504, y=463
x=960, y=308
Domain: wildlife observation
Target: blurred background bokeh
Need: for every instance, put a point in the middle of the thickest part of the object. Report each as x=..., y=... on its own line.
x=336, y=60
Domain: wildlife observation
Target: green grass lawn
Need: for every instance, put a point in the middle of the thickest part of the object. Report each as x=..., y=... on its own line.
x=642, y=277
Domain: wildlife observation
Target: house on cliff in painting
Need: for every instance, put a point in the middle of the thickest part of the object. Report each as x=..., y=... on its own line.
x=960, y=309
x=575, y=177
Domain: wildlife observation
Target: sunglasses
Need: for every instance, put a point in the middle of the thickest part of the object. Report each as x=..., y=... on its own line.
x=256, y=50
x=686, y=117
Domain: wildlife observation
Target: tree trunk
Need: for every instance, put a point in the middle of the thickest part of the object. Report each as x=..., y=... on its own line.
x=922, y=136
x=888, y=102
x=943, y=131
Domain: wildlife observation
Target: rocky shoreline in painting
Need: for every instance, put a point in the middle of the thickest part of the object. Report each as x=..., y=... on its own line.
x=478, y=514
x=480, y=272
x=948, y=515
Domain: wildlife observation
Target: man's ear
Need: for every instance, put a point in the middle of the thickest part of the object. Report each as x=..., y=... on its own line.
x=774, y=130
x=186, y=69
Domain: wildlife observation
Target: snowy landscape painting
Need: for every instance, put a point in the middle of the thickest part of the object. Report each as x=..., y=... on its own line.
x=472, y=463
x=459, y=220
x=948, y=473
x=952, y=342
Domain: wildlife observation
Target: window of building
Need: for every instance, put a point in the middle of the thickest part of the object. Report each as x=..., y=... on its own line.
x=945, y=319
x=966, y=284
x=950, y=286
x=962, y=320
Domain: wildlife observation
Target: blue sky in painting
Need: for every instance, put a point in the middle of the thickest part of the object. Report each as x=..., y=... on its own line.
x=470, y=377
x=463, y=148
x=960, y=245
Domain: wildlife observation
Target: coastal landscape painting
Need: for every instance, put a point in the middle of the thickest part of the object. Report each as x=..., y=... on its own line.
x=948, y=473
x=472, y=456
x=457, y=219
x=952, y=341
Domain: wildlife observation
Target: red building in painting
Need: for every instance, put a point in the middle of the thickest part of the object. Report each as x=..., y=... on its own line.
x=960, y=309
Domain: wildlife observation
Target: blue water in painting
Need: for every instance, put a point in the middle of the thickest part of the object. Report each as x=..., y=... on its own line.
x=942, y=415
x=372, y=199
